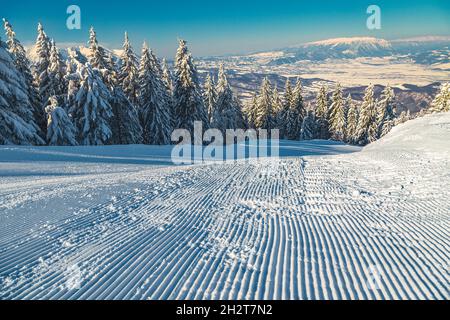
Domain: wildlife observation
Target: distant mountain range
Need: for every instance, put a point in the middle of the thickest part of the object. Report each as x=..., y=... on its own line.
x=414, y=66
x=425, y=50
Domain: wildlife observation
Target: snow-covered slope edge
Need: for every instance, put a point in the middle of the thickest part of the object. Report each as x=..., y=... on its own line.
x=430, y=134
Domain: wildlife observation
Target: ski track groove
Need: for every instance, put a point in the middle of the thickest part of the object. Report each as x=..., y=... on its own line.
x=241, y=230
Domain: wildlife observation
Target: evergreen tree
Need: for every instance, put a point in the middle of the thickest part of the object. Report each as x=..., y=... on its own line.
x=441, y=102
x=282, y=116
x=15, y=106
x=308, y=129
x=128, y=72
x=60, y=129
x=404, y=116
x=210, y=96
x=386, y=111
x=322, y=114
x=296, y=113
x=251, y=111
x=91, y=110
x=22, y=64
x=264, y=117
x=352, y=120
x=167, y=77
x=56, y=73
x=40, y=73
x=227, y=112
x=277, y=106
x=187, y=96
x=337, y=115
x=125, y=125
x=366, y=130
x=153, y=101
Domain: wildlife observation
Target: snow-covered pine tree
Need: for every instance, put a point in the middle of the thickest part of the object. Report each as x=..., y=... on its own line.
x=40, y=72
x=128, y=72
x=337, y=115
x=91, y=110
x=441, y=102
x=321, y=113
x=167, y=77
x=15, y=107
x=308, y=129
x=154, y=105
x=264, y=116
x=227, y=113
x=56, y=74
x=352, y=120
x=404, y=116
x=386, y=111
x=60, y=129
x=295, y=113
x=187, y=96
x=23, y=65
x=277, y=106
x=282, y=115
x=366, y=129
x=251, y=111
x=210, y=96
x=125, y=124
x=97, y=56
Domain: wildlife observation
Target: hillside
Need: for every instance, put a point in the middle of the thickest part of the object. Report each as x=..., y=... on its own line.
x=367, y=225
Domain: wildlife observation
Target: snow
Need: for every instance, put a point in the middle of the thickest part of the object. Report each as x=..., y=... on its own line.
x=107, y=222
x=370, y=42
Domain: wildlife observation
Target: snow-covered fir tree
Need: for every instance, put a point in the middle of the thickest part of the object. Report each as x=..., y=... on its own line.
x=321, y=113
x=366, y=130
x=351, y=121
x=283, y=113
x=227, y=113
x=40, y=72
x=128, y=73
x=386, y=112
x=264, y=116
x=308, y=129
x=210, y=96
x=167, y=76
x=23, y=65
x=98, y=58
x=56, y=74
x=154, y=105
x=295, y=113
x=404, y=116
x=125, y=124
x=251, y=111
x=441, y=102
x=277, y=105
x=337, y=115
x=187, y=95
x=60, y=129
x=15, y=106
x=91, y=110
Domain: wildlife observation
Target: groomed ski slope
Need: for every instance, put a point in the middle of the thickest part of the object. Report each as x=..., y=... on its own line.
x=367, y=225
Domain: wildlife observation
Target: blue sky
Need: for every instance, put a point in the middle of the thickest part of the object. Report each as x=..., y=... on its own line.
x=222, y=27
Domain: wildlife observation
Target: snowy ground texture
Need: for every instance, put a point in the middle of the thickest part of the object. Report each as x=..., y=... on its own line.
x=367, y=225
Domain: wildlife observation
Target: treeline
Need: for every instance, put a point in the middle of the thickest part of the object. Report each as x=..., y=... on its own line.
x=333, y=116
x=103, y=100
